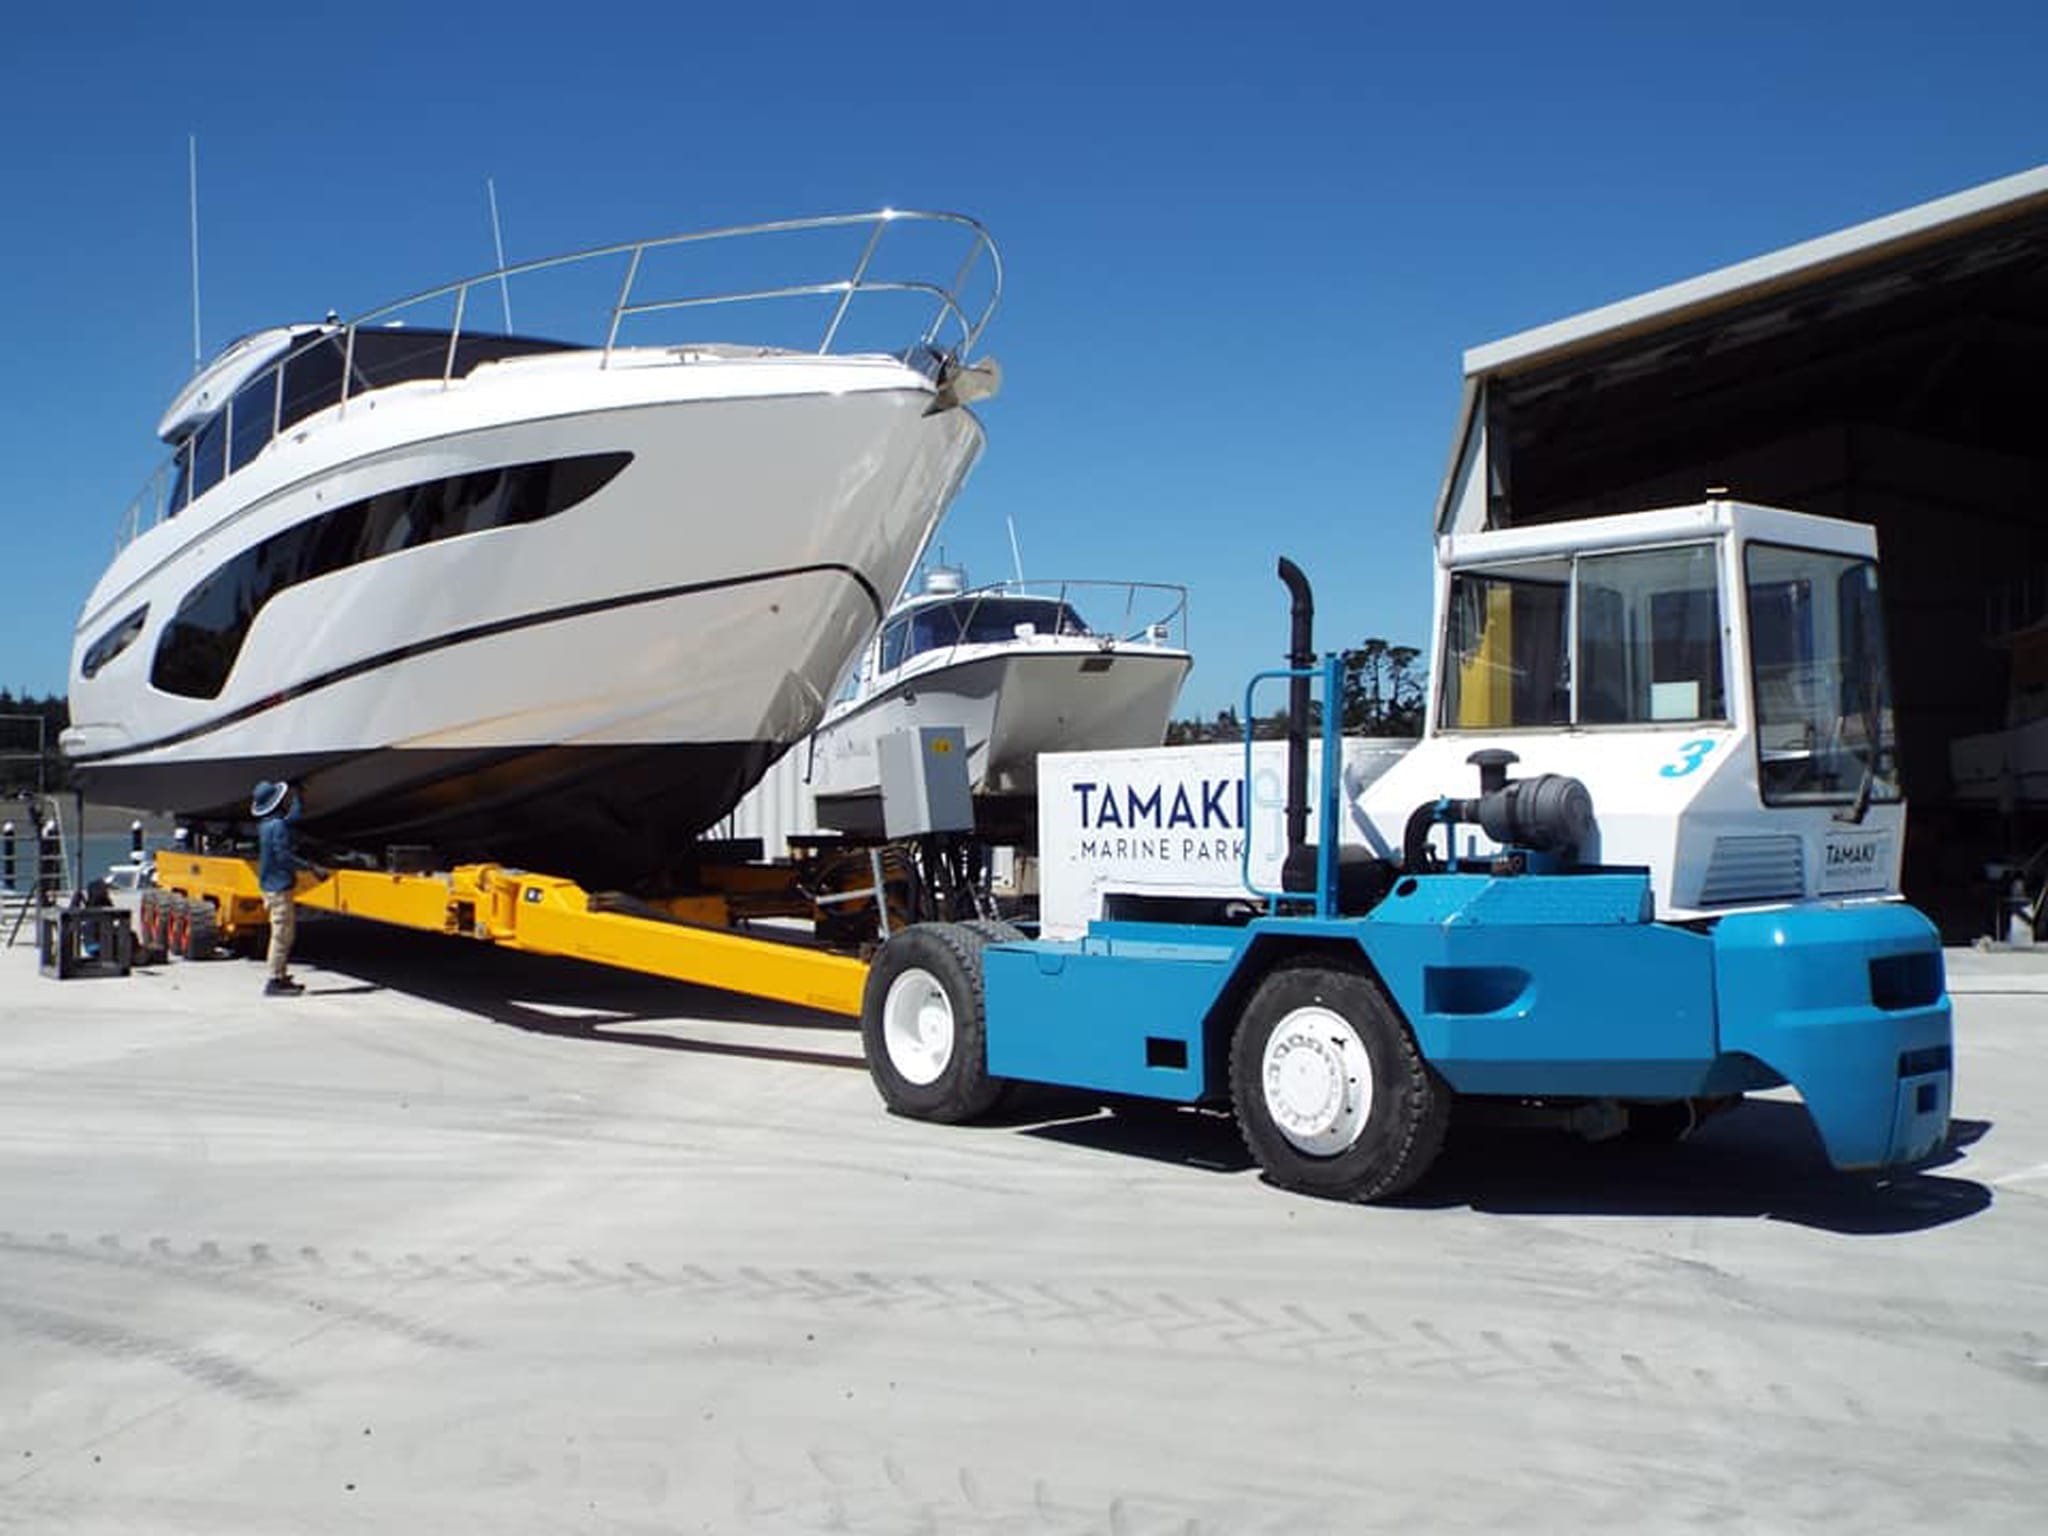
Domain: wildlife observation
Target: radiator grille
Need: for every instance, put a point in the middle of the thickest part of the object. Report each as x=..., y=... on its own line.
x=1771, y=868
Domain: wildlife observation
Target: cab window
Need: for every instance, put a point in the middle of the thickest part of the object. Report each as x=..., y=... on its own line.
x=1649, y=637
x=1504, y=653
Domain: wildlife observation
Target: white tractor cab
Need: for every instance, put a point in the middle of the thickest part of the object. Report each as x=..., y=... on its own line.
x=1713, y=675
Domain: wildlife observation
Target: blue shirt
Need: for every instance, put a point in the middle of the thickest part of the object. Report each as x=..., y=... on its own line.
x=277, y=866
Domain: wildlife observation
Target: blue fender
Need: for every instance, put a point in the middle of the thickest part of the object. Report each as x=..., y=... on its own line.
x=1849, y=1004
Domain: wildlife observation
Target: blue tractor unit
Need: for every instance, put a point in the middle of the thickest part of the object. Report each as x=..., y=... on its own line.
x=1643, y=861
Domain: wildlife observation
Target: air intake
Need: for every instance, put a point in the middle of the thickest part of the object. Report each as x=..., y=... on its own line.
x=1755, y=869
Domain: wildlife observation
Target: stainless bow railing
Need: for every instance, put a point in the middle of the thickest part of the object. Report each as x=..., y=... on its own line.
x=954, y=328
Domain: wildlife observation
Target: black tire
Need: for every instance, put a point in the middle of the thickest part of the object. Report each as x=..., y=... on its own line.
x=198, y=930
x=123, y=950
x=994, y=930
x=177, y=914
x=148, y=922
x=924, y=1026
x=155, y=913
x=1361, y=1115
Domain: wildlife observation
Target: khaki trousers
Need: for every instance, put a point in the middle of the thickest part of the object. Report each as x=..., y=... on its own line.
x=284, y=927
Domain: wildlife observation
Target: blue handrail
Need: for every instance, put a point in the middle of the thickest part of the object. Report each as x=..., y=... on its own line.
x=1330, y=672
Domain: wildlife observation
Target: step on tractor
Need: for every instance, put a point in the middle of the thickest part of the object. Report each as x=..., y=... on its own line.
x=1642, y=861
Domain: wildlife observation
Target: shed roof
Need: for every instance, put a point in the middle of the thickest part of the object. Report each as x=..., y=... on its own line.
x=1878, y=240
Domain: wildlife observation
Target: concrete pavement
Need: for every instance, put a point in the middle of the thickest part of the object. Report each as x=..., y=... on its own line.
x=471, y=1241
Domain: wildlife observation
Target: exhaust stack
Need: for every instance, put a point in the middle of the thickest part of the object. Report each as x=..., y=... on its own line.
x=1298, y=868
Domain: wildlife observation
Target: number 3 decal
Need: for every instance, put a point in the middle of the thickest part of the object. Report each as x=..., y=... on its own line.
x=1690, y=756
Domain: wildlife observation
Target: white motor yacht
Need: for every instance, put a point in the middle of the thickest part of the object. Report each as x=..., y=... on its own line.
x=553, y=603
x=1014, y=666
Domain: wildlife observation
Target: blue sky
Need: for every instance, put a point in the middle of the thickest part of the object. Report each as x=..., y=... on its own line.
x=1246, y=245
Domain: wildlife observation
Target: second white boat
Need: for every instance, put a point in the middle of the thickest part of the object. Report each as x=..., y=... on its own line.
x=1017, y=668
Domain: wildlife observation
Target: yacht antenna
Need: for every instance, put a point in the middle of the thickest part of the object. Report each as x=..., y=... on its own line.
x=1016, y=555
x=192, y=147
x=498, y=240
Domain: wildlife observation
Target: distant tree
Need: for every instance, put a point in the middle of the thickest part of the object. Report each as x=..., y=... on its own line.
x=1383, y=690
x=1382, y=696
x=1225, y=727
x=18, y=764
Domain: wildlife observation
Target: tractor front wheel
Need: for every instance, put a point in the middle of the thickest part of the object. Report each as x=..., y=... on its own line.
x=1331, y=1092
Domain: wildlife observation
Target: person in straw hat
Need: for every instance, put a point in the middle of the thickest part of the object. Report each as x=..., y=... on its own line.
x=275, y=805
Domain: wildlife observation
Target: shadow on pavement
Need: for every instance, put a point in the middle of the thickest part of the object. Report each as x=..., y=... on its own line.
x=1160, y=1133
x=553, y=995
x=1760, y=1160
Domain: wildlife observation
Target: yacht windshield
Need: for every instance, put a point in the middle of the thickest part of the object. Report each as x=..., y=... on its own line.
x=308, y=379
x=1824, y=703
x=975, y=621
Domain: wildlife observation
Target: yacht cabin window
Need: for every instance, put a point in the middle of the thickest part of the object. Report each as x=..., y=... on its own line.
x=199, y=645
x=113, y=642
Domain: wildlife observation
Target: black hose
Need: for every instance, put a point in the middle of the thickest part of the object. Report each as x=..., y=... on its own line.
x=1416, y=857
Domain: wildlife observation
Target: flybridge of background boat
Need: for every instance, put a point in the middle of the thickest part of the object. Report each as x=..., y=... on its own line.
x=919, y=287
x=948, y=614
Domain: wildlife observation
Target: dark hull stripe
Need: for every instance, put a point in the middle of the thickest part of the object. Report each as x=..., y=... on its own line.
x=479, y=632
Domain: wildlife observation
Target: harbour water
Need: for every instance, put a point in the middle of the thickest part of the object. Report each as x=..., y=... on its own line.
x=100, y=847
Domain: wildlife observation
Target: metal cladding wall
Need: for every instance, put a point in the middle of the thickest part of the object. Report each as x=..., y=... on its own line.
x=777, y=808
x=1892, y=373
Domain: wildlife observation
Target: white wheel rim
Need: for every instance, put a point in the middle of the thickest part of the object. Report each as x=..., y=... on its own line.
x=917, y=1027
x=1317, y=1081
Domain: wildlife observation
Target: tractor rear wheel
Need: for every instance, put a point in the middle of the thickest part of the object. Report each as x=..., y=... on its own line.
x=924, y=1027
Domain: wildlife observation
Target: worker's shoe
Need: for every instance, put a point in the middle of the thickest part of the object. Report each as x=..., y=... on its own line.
x=282, y=986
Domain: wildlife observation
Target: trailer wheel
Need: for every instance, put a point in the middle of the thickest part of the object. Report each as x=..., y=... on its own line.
x=155, y=913
x=201, y=931
x=173, y=916
x=1332, y=1095
x=160, y=927
x=923, y=1027
x=148, y=923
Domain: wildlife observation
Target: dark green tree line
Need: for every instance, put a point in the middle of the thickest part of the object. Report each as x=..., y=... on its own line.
x=20, y=767
x=1382, y=696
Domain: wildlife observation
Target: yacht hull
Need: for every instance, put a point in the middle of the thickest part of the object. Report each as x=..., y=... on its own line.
x=1012, y=707
x=582, y=693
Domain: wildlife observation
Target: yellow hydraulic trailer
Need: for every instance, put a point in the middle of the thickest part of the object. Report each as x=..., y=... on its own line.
x=203, y=899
